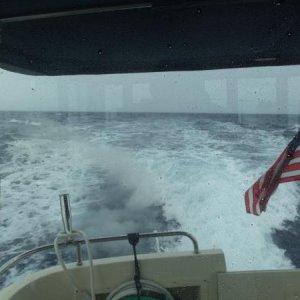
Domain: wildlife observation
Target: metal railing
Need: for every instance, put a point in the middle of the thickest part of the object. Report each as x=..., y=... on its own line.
x=12, y=262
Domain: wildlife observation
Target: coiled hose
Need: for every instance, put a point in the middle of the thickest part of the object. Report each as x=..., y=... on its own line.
x=66, y=237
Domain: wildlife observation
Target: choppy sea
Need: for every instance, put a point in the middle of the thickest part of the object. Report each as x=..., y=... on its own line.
x=129, y=172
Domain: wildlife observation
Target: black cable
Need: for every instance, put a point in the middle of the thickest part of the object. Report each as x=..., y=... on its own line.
x=133, y=239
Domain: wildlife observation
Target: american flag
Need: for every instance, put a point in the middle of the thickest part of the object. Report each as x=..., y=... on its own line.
x=285, y=169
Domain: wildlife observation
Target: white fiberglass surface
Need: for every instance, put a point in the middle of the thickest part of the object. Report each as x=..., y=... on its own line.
x=146, y=152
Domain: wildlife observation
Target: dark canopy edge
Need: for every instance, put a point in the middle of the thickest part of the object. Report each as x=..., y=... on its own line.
x=187, y=35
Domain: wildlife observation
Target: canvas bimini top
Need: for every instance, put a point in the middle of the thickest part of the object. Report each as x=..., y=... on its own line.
x=64, y=37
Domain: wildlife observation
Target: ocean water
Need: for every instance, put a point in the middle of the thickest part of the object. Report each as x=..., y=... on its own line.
x=145, y=172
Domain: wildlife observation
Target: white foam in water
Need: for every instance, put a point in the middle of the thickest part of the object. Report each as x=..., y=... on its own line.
x=211, y=207
x=206, y=188
x=115, y=173
x=25, y=122
x=56, y=160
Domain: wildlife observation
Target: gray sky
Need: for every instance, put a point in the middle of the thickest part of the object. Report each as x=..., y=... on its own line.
x=252, y=90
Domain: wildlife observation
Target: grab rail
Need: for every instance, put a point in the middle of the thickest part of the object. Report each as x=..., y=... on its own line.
x=12, y=262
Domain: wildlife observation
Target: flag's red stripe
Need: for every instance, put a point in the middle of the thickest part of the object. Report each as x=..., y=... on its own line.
x=256, y=193
x=247, y=202
x=292, y=167
x=289, y=179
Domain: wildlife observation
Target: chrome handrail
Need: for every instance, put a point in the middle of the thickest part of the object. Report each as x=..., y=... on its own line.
x=12, y=262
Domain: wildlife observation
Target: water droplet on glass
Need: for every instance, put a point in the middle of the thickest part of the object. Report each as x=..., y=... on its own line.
x=100, y=52
x=289, y=33
x=199, y=11
x=170, y=46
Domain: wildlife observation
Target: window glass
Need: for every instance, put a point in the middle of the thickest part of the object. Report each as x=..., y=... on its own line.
x=146, y=152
